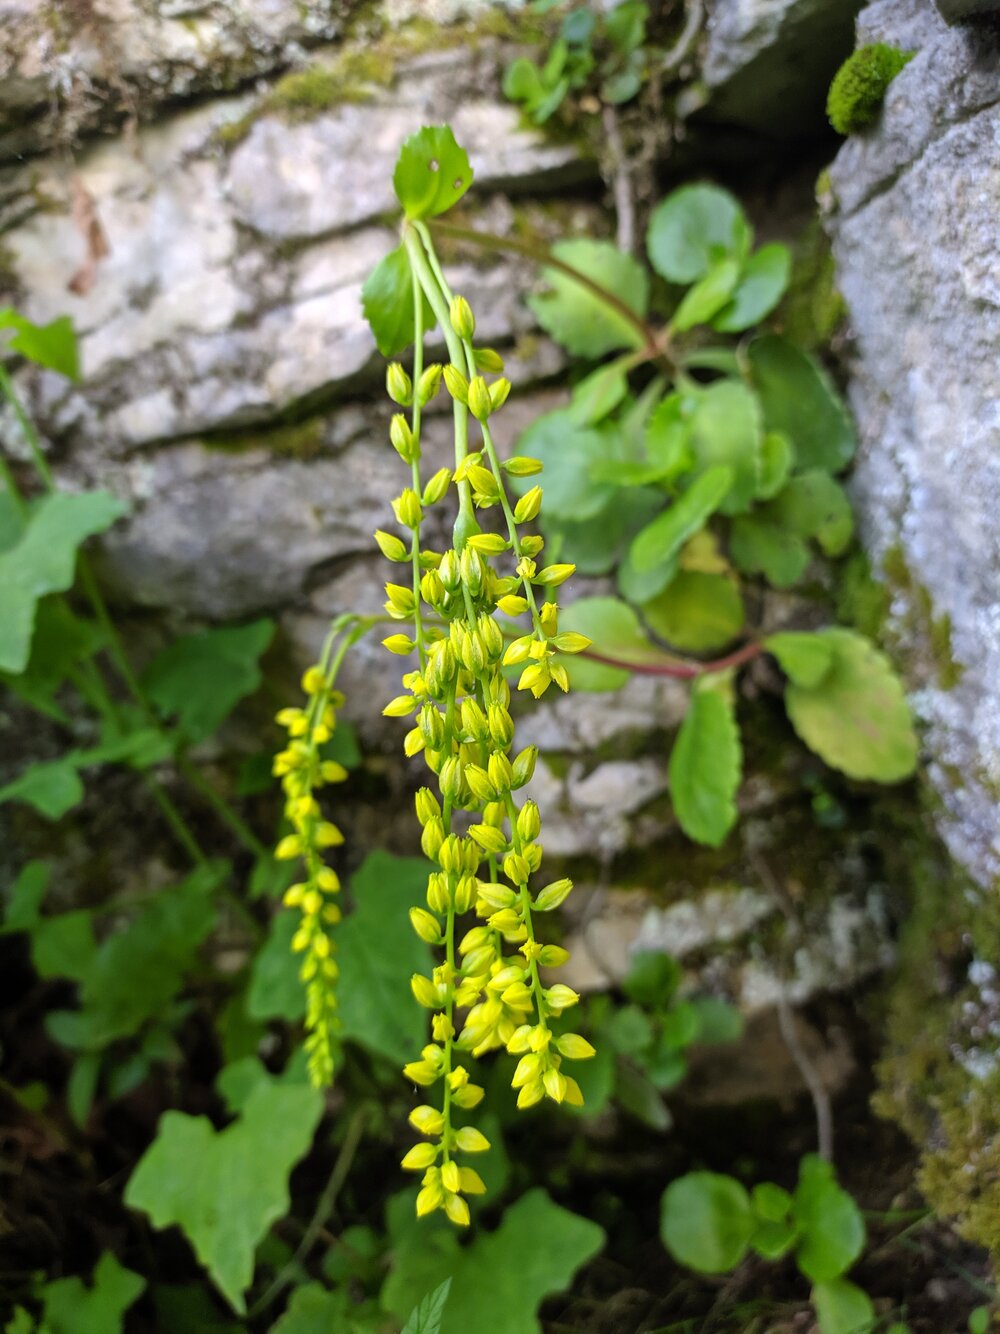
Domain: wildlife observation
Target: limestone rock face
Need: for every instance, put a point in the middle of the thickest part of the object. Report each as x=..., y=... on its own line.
x=72, y=68
x=768, y=63
x=915, y=235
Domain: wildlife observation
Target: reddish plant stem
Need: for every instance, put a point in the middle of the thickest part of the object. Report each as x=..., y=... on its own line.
x=681, y=671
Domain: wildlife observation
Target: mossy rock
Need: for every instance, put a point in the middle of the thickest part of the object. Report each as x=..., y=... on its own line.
x=859, y=86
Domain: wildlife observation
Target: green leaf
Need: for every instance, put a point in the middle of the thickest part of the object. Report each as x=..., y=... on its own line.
x=63, y=946
x=636, y=1094
x=70, y=1307
x=596, y=545
x=692, y=228
x=52, y=788
x=567, y=452
x=759, y=546
x=843, y=1308
x=427, y=1317
x=43, y=560
x=575, y=316
x=225, y=1188
x=668, y=439
x=615, y=630
x=726, y=430
x=813, y=505
x=522, y=81
x=652, y=979
x=856, y=717
x=200, y=678
x=535, y=1251
x=312, y=1309
x=377, y=952
x=832, y=1231
x=718, y=1021
x=706, y=1222
x=705, y=766
x=136, y=972
x=50, y=345
x=432, y=172
x=776, y=459
x=26, y=896
x=696, y=612
x=804, y=658
x=979, y=1320
x=600, y=392
x=659, y=543
x=387, y=301
x=761, y=285
x=275, y=990
x=770, y=1202
x=60, y=640
x=799, y=400
x=707, y=297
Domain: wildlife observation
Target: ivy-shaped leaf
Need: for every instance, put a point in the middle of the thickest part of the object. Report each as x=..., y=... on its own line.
x=51, y=345
x=200, y=678
x=705, y=765
x=51, y=787
x=388, y=305
x=224, y=1188
x=71, y=1307
x=376, y=947
x=575, y=316
x=693, y=228
x=799, y=400
x=831, y=1228
x=856, y=717
x=43, y=560
x=432, y=172
x=535, y=1251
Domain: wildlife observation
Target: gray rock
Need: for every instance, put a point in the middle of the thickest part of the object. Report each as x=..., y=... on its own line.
x=768, y=63
x=64, y=72
x=916, y=244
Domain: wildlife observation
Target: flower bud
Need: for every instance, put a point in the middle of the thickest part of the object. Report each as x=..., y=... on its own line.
x=552, y=956
x=529, y=822
x=471, y=567
x=398, y=385
x=450, y=571
x=574, y=1047
x=474, y=720
x=437, y=487
x=489, y=544
x=428, y=385
x=521, y=466
x=428, y=806
x=528, y=506
x=501, y=726
x=426, y=992
x=493, y=841
x=571, y=642
x=399, y=644
x=419, y=1157
x=462, y=319
x=450, y=778
x=456, y=384
x=471, y=1140
x=408, y=511
x=516, y=869
x=391, y=546
x=501, y=771
x=465, y=893
x=427, y=927
x=431, y=725
x=428, y=1120
x=480, y=401
x=403, y=439
x=499, y=393
x=524, y=766
x=552, y=895
x=437, y=892
x=488, y=360
x=432, y=837
x=553, y=575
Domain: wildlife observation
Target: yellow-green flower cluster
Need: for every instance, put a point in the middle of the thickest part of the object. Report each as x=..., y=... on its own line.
x=303, y=772
x=488, y=991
